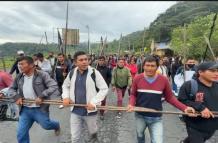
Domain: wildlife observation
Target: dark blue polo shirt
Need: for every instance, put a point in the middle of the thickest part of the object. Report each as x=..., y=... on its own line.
x=80, y=94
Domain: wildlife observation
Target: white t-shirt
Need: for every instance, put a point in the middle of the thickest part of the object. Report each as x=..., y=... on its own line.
x=28, y=91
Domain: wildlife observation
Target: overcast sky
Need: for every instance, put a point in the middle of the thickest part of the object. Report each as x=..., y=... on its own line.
x=27, y=21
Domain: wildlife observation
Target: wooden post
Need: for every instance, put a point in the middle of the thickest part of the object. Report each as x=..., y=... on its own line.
x=209, y=46
x=65, y=44
x=119, y=45
x=185, y=49
x=143, y=41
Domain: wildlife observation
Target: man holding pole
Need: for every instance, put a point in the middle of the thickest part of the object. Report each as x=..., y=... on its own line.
x=147, y=90
x=201, y=94
x=35, y=85
x=83, y=85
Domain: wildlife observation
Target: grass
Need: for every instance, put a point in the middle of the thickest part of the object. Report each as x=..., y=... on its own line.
x=9, y=61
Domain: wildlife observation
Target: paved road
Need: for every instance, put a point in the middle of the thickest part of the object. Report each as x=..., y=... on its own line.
x=111, y=130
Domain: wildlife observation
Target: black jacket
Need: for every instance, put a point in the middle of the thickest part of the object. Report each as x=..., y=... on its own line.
x=60, y=69
x=106, y=73
x=15, y=68
x=199, y=102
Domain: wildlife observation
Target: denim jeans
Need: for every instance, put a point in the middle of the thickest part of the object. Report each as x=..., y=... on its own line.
x=26, y=120
x=155, y=127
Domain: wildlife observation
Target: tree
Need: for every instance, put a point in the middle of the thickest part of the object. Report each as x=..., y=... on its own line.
x=195, y=42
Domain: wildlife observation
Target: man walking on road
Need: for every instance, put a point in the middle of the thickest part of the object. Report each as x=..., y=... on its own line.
x=147, y=90
x=83, y=85
x=106, y=74
x=201, y=94
x=36, y=85
x=121, y=80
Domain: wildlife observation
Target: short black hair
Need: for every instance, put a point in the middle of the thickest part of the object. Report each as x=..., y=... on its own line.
x=132, y=58
x=26, y=58
x=190, y=58
x=78, y=53
x=121, y=58
x=60, y=54
x=101, y=57
x=152, y=59
x=40, y=55
x=35, y=55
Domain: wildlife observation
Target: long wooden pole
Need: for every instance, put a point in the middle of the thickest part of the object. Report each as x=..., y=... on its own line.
x=111, y=108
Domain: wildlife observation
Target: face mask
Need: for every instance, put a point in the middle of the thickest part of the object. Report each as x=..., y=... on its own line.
x=191, y=65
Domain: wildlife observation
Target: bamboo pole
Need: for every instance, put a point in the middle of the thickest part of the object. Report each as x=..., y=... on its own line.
x=110, y=108
x=209, y=47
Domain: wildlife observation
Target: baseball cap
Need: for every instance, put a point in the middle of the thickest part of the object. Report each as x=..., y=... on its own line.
x=20, y=52
x=207, y=66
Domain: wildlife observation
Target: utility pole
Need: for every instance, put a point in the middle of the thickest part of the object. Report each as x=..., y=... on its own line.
x=53, y=34
x=129, y=45
x=88, y=40
x=143, y=41
x=40, y=42
x=65, y=44
x=46, y=38
x=119, y=45
x=185, y=49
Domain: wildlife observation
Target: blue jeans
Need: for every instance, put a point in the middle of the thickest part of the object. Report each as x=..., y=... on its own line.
x=154, y=125
x=26, y=120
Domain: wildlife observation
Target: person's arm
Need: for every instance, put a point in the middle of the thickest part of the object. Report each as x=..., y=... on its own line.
x=13, y=68
x=46, y=66
x=51, y=84
x=129, y=78
x=109, y=76
x=133, y=93
x=7, y=79
x=66, y=87
x=170, y=98
x=13, y=89
x=184, y=97
x=113, y=77
x=103, y=89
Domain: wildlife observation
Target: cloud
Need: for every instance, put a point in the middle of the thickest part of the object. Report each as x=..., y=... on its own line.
x=27, y=21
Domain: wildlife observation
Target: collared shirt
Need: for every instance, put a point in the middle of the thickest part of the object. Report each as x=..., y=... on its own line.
x=80, y=94
x=28, y=90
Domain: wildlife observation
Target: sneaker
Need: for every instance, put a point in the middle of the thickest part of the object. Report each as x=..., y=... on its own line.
x=181, y=118
x=119, y=114
x=101, y=117
x=93, y=138
x=57, y=131
x=61, y=106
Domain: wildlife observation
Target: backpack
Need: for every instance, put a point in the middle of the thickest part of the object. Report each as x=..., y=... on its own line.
x=194, y=87
x=93, y=76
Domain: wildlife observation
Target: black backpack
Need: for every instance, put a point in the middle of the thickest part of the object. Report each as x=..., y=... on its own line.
x=93, y=76
x=194, y=87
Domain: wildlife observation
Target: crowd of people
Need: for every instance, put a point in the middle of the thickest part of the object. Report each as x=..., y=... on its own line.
x=190, y=86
